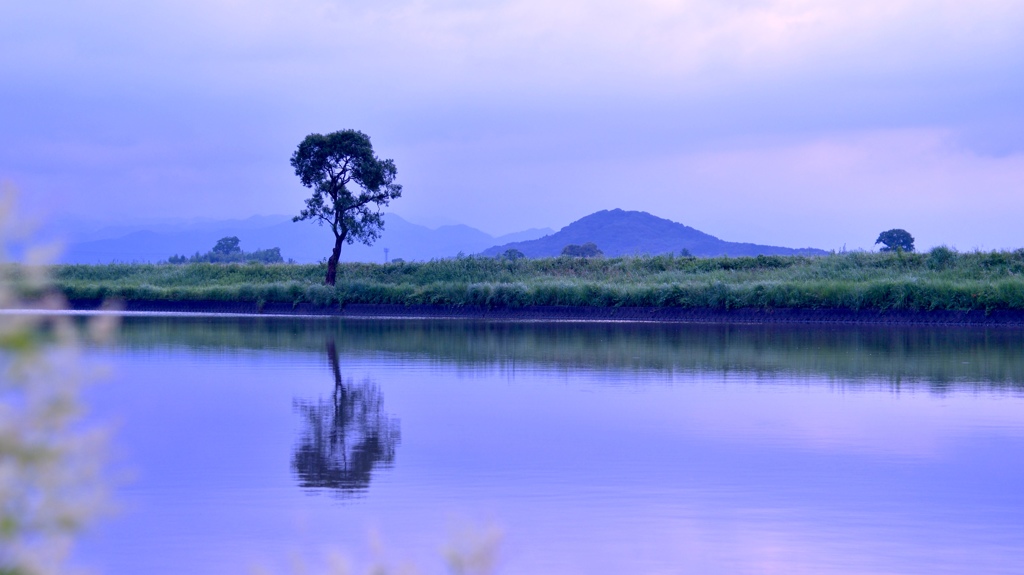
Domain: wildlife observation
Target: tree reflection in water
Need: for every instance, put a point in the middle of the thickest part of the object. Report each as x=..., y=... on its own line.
x=346, y=437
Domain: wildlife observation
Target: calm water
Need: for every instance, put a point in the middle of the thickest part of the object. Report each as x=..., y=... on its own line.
x=595, y=449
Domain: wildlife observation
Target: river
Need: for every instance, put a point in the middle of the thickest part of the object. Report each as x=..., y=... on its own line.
x=243, y=444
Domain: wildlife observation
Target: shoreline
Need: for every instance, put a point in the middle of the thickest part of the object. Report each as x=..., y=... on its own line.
x=750, y=316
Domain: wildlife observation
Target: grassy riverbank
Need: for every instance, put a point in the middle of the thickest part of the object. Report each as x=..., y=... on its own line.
x=938, y=280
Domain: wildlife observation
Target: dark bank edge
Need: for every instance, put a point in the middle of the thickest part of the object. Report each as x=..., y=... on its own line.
x=1009, y=318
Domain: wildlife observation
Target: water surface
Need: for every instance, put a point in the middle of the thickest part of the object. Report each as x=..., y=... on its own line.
x=596, y=448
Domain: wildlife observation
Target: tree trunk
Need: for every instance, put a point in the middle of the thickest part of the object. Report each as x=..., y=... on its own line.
x=339, y=386
x=332, y=264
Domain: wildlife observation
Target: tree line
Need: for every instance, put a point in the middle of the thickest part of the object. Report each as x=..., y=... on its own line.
x=228, y=250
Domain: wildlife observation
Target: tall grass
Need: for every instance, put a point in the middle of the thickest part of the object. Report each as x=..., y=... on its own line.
x=938, y=280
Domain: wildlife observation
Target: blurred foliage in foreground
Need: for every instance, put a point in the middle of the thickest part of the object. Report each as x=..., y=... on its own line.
x=942, y=279
x=50, y=466
x=470, y=551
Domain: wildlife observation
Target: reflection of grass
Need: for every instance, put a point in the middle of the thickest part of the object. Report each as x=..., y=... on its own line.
x=938, y=357
x=942, y=279
x=49, y=468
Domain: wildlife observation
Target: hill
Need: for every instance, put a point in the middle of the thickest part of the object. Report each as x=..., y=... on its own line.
x=622, y=233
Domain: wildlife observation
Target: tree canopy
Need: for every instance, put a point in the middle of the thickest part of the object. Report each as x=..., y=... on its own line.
x=513, y=254
x=350, y=185
x=227, y=246
x=587, y=250
x=895, y=240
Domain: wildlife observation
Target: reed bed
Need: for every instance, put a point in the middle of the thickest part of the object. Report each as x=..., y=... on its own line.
x=941, y=279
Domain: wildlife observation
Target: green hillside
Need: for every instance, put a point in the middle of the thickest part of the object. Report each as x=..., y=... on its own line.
x=622, y=233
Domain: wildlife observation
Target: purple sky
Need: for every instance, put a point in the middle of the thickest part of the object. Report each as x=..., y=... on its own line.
x=789, y=122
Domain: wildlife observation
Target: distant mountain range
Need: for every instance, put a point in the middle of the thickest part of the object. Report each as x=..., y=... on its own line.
x=616, y=233
x=303, y=242
x=622, y=233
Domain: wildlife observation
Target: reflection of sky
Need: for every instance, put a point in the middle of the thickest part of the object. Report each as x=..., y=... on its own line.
x=802, y=117
x=586, y=473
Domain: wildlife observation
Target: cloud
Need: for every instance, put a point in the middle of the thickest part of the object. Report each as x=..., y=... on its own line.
x=823, y=191
x=687, y=45
x=849, y=187
x=576, y=102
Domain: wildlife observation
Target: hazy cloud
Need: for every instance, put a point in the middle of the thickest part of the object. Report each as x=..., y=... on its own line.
x=801, y=113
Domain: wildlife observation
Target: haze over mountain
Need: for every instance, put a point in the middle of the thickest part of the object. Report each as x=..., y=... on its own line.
x=616, y=233
x=622, y=233
x=303, y=242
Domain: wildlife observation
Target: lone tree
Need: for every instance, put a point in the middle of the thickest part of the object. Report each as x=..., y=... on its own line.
x=587, y=250
x=895, y=240
x=227, y=246
x=349, y=185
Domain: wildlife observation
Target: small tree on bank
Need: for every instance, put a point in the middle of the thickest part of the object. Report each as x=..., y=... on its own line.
x=350, y=185
x=513, y=254
x=587, y=250
x=227, y=246
x=895, y=240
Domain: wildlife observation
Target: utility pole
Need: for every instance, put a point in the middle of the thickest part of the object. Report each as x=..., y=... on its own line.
x=386, y=255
